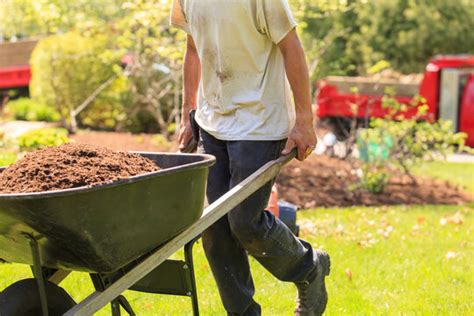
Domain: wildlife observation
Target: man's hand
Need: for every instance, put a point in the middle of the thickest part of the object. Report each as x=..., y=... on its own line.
x=303, y=137
x=185, y=136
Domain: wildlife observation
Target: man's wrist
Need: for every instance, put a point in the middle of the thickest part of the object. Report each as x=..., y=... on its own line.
x=185, y=120
x=304, y=119
x=188, y=106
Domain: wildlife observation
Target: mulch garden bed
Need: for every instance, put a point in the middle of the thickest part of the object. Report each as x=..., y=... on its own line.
x=324, y=181
x=69, y=166
x=319, y=181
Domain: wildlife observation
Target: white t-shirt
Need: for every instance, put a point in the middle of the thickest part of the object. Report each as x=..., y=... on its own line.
x=244, y=93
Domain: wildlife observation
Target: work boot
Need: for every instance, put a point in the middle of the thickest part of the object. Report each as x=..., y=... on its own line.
x=312, y=295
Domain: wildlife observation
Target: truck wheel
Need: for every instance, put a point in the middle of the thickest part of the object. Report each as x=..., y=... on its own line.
x=22, y=299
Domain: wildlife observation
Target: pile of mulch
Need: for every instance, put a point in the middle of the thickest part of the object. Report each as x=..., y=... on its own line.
x=324, y=181
x=69, y=166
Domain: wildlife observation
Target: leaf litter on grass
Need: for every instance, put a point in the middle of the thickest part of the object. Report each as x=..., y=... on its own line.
x=383, y=256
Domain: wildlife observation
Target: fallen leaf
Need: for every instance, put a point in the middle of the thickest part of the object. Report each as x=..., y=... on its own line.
x=385, y=232
x=420, y=220
x=348, y=274
x=307, y=227
x=455, y=219
x=451, y=255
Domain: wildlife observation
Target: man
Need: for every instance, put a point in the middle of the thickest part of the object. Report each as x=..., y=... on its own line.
x=239, y=56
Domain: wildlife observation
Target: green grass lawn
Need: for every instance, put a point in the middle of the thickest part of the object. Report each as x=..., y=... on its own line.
x=460, y=173
x=388, y=260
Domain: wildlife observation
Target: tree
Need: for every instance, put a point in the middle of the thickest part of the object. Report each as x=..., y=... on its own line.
x=156, y=52
x=323, y=28
x=407, y=32
x=348, y=37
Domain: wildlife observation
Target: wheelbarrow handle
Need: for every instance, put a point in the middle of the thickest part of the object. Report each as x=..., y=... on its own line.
x=284, y=159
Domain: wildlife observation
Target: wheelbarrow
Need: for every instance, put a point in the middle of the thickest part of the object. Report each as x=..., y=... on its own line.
x=121, y=233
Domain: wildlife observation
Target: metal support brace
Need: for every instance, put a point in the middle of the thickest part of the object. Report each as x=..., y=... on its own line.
x=126, y=305
x=38, y=272
x=188, y=258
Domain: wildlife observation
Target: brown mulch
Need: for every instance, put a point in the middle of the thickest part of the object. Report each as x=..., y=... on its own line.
x=69, y=166
x=325, y=181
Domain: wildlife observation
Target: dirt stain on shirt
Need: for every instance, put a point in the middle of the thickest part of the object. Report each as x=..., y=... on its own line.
x=224, y=75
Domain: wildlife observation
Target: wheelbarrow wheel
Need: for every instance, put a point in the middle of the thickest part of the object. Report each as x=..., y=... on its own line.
x=22, y=299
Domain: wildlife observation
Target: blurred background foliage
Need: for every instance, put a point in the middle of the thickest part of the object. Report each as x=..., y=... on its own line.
x=85, y=43
x=348, y=37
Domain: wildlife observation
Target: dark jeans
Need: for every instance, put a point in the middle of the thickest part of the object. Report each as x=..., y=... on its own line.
x=248, y=228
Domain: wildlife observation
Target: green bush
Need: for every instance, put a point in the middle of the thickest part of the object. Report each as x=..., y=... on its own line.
x=69, y=68
x=108, y=111
x=26, y=109
x=394, y=142
x=160, y=141
x=43, y=137
x=374, y=180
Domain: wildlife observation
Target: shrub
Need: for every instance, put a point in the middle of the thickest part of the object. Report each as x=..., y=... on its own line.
x=374, y=179
x=400, y=143
x=160, y=141
x=27, y=109
x=43, y=137
x=76, y=73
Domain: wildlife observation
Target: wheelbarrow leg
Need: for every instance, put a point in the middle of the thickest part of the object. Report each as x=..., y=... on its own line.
x=38, y=272
x=121, y=301
x=188, y=257
x=125, y=305
x=115, y=306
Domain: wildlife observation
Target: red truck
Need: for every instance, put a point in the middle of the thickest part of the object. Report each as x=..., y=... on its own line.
x=15, y=72
x=447, y=85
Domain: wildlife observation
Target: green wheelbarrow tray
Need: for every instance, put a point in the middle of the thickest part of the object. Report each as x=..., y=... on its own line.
x=102, y=228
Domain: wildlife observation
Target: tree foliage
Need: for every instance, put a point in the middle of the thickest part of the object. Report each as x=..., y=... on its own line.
x=23, y=19
x=347, y=37
x=154, y=71
x=408, y=32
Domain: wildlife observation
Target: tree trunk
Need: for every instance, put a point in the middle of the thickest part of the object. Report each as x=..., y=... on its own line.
x=72, y=128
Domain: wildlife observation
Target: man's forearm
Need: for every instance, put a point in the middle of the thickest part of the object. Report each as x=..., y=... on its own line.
x=298, y=76
x=191, y=77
